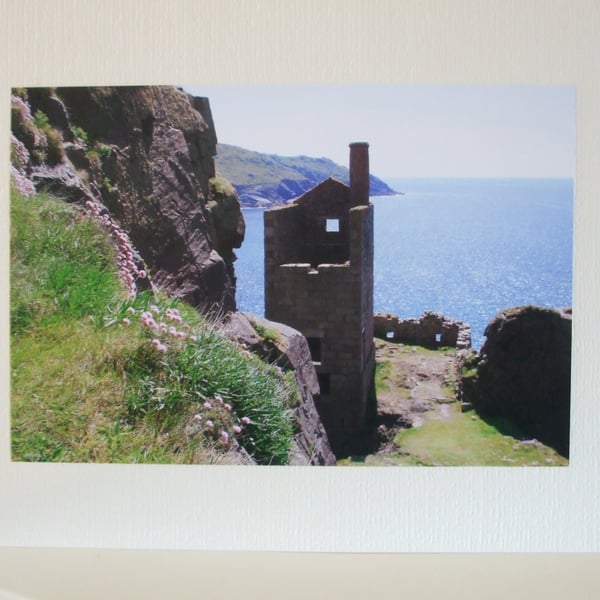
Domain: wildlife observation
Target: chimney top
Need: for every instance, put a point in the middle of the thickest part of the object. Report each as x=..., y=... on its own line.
x=359, y=173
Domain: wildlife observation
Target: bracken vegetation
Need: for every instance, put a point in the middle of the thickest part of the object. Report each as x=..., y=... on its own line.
x=102, y=374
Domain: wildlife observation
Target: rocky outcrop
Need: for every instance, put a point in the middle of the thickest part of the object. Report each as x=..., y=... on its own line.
x=288, y=349
x=269, y=179
x=146, y=155
x=432, y=330
x=524, y=373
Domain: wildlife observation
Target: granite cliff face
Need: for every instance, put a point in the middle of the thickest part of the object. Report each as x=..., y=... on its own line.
x=269, y=179
x=145, y=154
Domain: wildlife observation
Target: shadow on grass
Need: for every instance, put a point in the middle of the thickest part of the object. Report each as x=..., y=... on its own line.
x=506, y=427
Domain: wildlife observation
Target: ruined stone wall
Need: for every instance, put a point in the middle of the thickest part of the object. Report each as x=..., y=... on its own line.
x=325, y=224
x=282, y=230
x=432, y=330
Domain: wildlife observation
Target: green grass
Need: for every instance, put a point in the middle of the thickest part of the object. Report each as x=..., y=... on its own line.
x=467, y=440
x=87, y=386
x=383, y=372
x=266, y=334
x=62, y=265
x=222, y=186
x=462, y=440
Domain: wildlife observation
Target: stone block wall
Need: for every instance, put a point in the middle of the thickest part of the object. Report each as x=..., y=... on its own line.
x=432, y=330
x=320, y=282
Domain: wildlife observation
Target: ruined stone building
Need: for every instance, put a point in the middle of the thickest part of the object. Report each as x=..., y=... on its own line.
x=319, y=280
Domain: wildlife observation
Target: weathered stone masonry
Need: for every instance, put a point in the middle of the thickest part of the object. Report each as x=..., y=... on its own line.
x=319, y=280
x=432, y=330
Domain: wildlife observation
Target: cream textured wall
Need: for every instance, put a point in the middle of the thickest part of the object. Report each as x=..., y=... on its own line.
x=338, y=41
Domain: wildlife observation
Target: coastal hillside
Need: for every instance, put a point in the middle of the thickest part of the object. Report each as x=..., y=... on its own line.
x=122, y=248
x=144, y=156
x=99, y=375
x=269, y=179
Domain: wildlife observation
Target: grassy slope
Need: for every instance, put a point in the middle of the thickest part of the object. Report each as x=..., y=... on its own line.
x=463, y=439
x=87, y=386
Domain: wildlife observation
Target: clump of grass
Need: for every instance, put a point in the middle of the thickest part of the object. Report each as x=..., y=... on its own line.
x=100, y=376
x=62, y=264
x=266, y=334
x=80, y=134
x=196, y=366
x=97, y=153
x=221, y=186
x=55, y=150
x=383, y=371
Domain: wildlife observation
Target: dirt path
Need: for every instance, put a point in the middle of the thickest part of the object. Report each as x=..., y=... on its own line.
x=415, y=384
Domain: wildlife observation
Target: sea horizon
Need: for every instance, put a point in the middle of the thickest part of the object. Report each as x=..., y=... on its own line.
x=466, y=247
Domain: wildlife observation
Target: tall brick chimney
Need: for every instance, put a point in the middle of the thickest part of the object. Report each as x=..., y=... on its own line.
x=359, y=173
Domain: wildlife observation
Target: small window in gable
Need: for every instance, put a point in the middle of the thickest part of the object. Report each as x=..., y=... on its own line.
x=332, y=225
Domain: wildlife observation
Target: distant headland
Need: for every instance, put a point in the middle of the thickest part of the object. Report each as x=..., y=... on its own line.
x=264, y=180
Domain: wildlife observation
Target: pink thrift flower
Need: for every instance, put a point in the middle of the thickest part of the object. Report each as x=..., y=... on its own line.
x=198, y=417
x=172, y=330
x=154, y=309
x=182, y=334
x=224, y=437
x=218, y=399
x=24, y=185
x=156, y=342
x=194, y=338
x=142, y=274
x=237, y=429
x=227, y=407
x=207, y=405
x=209, y=424
x=131, y=310
x=161, y=348
x=126, y=321
x=245, y=420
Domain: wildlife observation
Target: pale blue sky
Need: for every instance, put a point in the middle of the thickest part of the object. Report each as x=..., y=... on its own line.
x=413, y=131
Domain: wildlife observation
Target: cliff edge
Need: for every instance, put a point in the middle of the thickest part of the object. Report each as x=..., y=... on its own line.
x=145, y=155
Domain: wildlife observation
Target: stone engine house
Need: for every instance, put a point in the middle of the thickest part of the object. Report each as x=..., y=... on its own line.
x=319, y=280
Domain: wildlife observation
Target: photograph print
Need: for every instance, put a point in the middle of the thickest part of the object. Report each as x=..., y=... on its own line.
x=314, y=275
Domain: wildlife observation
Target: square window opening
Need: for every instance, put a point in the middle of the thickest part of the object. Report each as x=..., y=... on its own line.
x=324, y=383
x=389, y=335
x=332, y=225
x=438, y=338
x=314, y=345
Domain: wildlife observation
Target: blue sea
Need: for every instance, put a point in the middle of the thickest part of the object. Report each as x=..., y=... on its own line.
x=463, y=247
